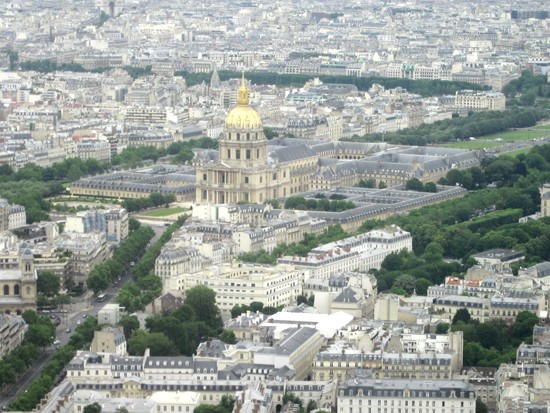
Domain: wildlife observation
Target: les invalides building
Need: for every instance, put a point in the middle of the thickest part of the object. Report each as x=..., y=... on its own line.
x=243, y=171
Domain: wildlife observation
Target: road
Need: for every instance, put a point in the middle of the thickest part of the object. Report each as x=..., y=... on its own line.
x=77, y=311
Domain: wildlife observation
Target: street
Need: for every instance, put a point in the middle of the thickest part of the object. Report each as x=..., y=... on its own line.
x=82, y=307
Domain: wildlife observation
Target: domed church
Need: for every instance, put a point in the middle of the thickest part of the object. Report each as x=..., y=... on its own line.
x=243, y=171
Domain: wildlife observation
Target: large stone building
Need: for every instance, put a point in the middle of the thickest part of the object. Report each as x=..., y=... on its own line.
x=241, y=284
x=242, y=173
x=18, y=291
x=406, y=396
x=248, y=168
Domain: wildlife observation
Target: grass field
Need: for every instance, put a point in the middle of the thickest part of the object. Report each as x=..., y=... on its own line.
x=472, y=144
x=165, y=212
x=547, y=127
x=515, y=135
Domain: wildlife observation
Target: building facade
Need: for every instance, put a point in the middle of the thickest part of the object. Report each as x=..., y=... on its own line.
x=242, y=172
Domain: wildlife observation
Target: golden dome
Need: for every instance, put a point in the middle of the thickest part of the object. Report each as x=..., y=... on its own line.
x=243, y=116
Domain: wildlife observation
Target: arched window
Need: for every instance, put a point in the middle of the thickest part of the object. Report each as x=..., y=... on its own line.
x=16, y=289
x=6, y=289
x=27, y=267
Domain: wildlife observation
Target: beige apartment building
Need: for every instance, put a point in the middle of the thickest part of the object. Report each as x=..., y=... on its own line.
x=478, y=101
x=241, y=284
x=406, y=396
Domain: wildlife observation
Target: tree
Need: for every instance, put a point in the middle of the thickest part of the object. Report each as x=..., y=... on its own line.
x=30, y=317
x=48, y=283
x=463, y=315
x=421, y=286
x=442, y=328
x=392, y=262
x=405, y=282
x=414, y=184
x=430, y=187
x=158, y=343
x=433, y=252
x=523, y=325
x=40, y=334
x=92, y=408
x=228, y=337
x=129, y=324
x=480, y=406
x=203, y=302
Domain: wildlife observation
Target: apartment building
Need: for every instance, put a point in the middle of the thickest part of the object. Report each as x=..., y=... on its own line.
x=323, y=264
x=12, y=333
x=479, y=101
x=11, y=216
x=241, y=284
x=406, y=396
x=85, y=250
x=297, y=351
x=112, y=222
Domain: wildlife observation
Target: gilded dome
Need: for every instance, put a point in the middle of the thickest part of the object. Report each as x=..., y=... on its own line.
x=243, y=116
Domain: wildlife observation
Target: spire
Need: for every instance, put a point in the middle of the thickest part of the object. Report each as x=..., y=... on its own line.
x=242, y=99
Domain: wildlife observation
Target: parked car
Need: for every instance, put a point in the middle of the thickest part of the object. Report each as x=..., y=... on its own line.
x=68, y=330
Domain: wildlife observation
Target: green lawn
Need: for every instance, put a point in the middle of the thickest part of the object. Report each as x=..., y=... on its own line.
x=547, y=126
x=515, y=135
x=165, y=212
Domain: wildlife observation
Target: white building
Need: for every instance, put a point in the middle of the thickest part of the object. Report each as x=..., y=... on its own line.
x=406, y=396
x=242, y=284
x=113, y=222
x=172, y=401
x=478, y=101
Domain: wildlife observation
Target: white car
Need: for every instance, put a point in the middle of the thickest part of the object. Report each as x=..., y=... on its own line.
x=56, y=342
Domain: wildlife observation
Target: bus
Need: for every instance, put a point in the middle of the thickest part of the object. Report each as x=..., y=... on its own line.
x=101, y=297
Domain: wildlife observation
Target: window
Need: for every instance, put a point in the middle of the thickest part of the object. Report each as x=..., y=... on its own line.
x=275, y=176
x=204, y=177
x=238, y=154
x=246, y=179
x=229, y=154
x=248, y=156
x=6, y=289
x=238, y=136
x=257, y=153
x=16, y=289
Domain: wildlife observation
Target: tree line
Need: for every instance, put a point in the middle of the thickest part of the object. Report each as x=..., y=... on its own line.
x=30, y=185
x=104, y=274
x=38, y=336
x=147, y=286
x=421, y=87
x=179, y=331
x=527, y=89
x=491, y=343
x=153, y=200
x=476, y=124
x=51, y=372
